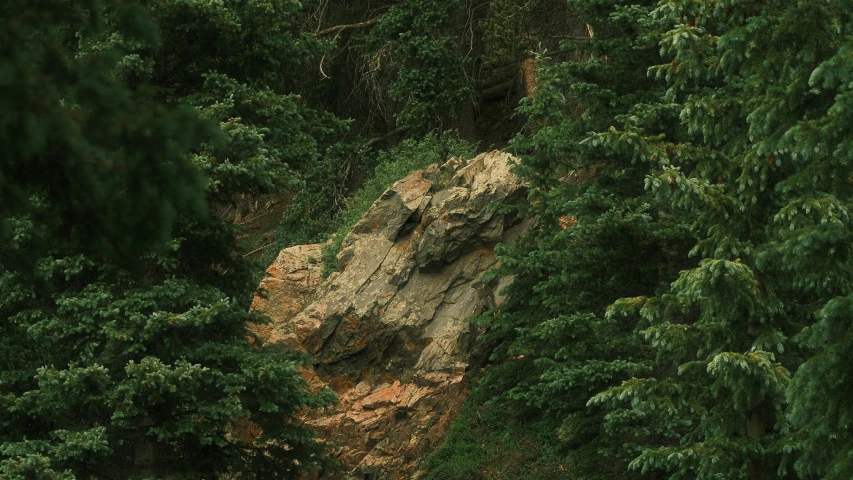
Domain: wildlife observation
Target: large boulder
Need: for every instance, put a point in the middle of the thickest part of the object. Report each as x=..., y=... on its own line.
x=388, y=332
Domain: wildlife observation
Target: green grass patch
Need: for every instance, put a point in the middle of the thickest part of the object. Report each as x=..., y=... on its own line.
x=484, y=442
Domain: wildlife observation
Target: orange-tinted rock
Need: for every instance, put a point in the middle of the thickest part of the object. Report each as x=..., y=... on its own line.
x=388, y=332
x=290, y=283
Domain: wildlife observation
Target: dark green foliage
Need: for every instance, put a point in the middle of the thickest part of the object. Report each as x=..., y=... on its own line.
x=270, y=137
x=403, y=66
x=483, y=443
x=109, y=160
x=310, y=217
x=743, y=163
x=514, y=29
x=123, y=378
x=416, y=40
x=238, y=62
x=145, y=368
x=461, y=455
x=600, y=236
x=257, y=42
x=760, y=182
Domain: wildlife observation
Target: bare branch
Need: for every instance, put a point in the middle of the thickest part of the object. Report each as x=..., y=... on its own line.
x=321, y=68
x=340, y=28
x=258, y=249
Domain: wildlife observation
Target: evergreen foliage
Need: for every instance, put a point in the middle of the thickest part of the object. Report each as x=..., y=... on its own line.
x=111, y=377
x=147, y=369
x=762, y=191
x=118, y=173
x=681, y=310
x=600, y=236
x=514, y=29
x=238, y=64
x=740, y=162
x=417, y=38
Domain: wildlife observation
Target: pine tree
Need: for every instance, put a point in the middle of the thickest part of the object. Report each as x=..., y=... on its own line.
x=811, y=247
x=419, y=41
x=763, y=180
x=600, y=236
x=111, y=162
x=146, y=369
x=113, y=377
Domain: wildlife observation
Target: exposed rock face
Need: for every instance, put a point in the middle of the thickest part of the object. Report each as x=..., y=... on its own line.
x=388, y=332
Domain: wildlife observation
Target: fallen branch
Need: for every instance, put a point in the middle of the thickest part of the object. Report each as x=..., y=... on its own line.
x=340, y=28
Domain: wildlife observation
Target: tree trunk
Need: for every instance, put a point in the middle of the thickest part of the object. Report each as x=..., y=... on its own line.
x=756, y=424
x=145, y=456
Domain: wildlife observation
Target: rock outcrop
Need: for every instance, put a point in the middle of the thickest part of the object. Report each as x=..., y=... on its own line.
x=388, y=331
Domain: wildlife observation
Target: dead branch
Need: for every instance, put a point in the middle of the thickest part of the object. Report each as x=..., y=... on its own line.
x=340, y=28
x=258, y=249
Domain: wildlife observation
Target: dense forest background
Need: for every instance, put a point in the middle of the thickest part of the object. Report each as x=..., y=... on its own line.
x=681, y=310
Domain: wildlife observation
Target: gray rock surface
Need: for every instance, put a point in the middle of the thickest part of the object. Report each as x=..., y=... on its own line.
x=388, y=331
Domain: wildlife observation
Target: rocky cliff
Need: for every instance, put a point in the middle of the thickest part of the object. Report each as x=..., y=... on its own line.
x=388, y=331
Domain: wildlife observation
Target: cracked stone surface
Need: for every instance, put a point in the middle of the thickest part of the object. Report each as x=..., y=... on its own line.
x=388, y=331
